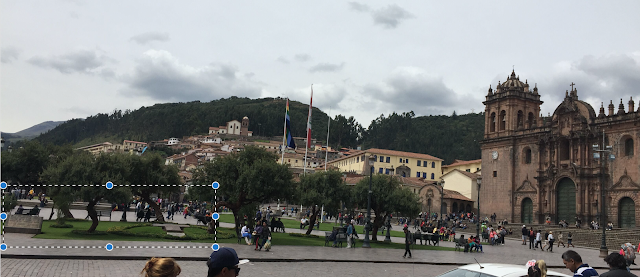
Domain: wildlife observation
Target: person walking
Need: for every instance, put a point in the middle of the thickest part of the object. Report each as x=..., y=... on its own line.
x=617, y=266
x=532, y=238
x=551, y=241
x=525, y=234
x=349, y=234
x=573, y=261
x=407, y=242
x=257, y=234
x=266, y=235
x=570, y=240
x=561, y=240
x=538, y=239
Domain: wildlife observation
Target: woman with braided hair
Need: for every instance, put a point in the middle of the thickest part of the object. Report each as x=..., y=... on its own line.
x=161, y=267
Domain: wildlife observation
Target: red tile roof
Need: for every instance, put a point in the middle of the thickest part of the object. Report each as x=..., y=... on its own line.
x=461, y=162
x=452, y=194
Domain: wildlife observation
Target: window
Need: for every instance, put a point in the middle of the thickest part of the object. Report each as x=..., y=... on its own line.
x=418, y=174
x=530, y=121
x=520, y=119
x=424, y=175
x=433, y=165
x=386, y=171
x=527, y=155
x=628, y=147
x=400, y=160
x=418, y=162
x=381, y=158
x=503, y=120
x=495, y=174
x=406, y=161
x=388, y=159
x=477, y=169
x=433, y=176
x=468, y=170
x=357, y=159
x=492, y=123
x=380, y=170
x=375, y=157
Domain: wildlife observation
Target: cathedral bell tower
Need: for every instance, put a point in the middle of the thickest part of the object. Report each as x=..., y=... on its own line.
x=510, y=108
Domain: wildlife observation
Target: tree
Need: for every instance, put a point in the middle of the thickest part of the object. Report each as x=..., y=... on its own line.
x=387, y=197
x=322, y=188
x=24, y=165
x=92, y=173
x=246, y=178
x=146, y=173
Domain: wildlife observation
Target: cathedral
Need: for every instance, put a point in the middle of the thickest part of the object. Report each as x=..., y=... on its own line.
x=537, y=168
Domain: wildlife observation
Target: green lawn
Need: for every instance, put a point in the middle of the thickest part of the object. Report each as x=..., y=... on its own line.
x=277, y=238
x=326, y=226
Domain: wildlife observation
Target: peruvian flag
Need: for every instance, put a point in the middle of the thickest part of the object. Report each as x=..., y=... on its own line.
x=309, y=120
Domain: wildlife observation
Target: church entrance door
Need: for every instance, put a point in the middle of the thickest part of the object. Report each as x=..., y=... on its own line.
x=527, y=210
x=566, y=200
x=626, y=213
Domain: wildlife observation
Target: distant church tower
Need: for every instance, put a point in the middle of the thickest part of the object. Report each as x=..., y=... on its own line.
x=244, y=129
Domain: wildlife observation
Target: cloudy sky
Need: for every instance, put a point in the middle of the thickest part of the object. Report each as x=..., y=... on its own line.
x=64, y=59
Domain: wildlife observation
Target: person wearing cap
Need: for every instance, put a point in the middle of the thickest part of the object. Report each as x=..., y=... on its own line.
x=224, y=263
x=551, y=241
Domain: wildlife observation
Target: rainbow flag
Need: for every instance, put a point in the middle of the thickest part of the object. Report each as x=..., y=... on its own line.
x=290, y=142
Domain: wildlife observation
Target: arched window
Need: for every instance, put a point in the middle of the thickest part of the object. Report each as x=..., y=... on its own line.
x=520, y=119
x=433, y=176
x=530, y=121
x=628, y=147
x=503, y=120
x=492, y=124
x=527, y=155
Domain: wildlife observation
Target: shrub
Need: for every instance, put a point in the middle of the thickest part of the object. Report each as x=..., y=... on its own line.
x=303, y=235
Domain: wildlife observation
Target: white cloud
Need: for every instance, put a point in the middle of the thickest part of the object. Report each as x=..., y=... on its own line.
x=9, y=54
x=389, y=17
x=79, y=61
x=302, y=57
x=147, y=37
x=161, y=76
x=326, y=67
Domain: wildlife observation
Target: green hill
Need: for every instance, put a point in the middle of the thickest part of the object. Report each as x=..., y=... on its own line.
x=446, y=137
x=162, y=121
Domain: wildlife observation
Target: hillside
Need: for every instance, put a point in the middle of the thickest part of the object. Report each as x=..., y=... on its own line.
x=162, y=121
x=446, y=137
x=31, y=132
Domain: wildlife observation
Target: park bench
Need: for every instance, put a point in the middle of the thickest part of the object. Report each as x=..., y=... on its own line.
x=432, y=238
x=29, y=212
x=102, y=213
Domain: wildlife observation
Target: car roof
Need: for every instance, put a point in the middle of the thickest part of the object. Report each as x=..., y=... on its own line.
x=505, y=269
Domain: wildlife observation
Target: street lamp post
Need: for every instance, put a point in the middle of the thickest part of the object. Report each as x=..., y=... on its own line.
x=441, y=185
x=479, y=181
x=602, y=151
x=387, y=238
x=367, y=226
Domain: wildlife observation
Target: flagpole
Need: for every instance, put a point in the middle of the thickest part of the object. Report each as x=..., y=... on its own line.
x=326, y=153
x=284, y=136
x=306, y=151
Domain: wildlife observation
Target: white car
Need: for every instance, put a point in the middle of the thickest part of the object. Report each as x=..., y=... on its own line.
x=494, y=270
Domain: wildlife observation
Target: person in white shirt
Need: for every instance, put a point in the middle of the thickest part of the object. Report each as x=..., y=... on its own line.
x=538, y=240
x=246, y=234
x=551, y=241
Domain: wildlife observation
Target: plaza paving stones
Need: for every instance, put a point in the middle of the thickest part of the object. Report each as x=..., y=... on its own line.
x=97, y=268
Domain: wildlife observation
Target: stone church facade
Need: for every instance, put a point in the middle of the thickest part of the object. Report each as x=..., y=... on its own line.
x=544, y=167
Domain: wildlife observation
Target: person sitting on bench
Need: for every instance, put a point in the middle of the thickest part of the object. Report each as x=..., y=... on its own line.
x=35, y=210
x=19, y=210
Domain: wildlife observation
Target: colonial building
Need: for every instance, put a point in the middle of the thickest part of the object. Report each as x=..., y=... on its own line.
x=536, y=167
x=405, y=164
x=233, y=127
x=468, y=166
